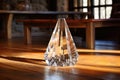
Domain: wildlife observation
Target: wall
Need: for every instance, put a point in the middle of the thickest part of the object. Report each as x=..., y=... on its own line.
x=62, y=5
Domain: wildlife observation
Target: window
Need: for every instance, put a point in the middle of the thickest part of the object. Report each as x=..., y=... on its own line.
x=101, y=9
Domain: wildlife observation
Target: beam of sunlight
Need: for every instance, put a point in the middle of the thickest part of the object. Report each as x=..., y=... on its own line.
x=100, y=51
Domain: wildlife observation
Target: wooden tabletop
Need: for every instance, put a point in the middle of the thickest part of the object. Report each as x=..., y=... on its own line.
x=26, y=62
x=87, y=68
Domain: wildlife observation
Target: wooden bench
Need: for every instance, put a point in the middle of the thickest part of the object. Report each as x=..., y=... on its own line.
x=89, y=24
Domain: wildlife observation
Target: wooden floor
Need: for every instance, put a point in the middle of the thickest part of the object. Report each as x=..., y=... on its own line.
x=19, y=61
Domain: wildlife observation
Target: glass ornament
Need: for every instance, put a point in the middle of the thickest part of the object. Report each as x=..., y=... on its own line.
x=61, y=49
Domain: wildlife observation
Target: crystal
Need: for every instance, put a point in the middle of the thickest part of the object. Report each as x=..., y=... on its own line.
x=61, y=50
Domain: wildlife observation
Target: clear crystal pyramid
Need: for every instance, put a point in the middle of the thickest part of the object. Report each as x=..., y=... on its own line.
x=61, y=50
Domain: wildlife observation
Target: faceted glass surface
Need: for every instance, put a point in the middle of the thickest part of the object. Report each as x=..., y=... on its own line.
x=61, y=50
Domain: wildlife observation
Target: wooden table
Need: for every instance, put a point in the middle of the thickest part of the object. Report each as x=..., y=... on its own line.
x=10, y=14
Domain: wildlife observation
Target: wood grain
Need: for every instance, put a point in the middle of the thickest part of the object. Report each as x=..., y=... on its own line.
x=26, y=62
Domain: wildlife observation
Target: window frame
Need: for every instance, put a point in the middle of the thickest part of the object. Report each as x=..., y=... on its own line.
x=91, y=8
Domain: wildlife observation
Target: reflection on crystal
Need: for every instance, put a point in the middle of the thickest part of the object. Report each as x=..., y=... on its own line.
x=61, y=50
